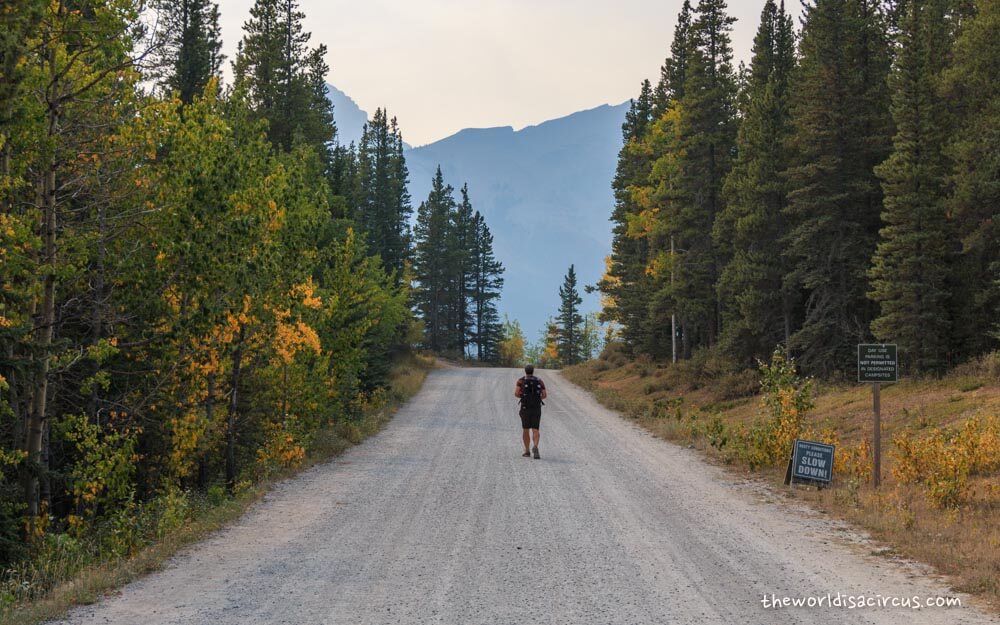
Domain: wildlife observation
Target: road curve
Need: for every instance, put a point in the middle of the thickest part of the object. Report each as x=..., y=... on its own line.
x=439, y=520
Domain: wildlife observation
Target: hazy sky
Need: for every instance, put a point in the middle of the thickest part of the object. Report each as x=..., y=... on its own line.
x=443, y=65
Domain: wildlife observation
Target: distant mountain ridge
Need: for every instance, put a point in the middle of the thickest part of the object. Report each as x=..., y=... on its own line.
x=348, y=116
x=546, y=194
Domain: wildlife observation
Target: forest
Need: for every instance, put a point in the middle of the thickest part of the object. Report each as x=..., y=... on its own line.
x=198, y=279
x=841, y=189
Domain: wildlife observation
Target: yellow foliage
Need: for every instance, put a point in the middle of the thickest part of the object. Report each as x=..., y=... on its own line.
x=307, y=291
x=943, y=461
x=280, y=447
x=291, y=338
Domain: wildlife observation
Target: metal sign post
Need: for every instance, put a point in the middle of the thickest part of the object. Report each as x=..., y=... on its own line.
x=877, y=364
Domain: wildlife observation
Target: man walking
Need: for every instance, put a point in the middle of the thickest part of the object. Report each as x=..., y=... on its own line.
x=531, y=391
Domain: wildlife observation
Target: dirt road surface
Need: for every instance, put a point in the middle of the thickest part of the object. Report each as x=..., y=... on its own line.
x=439, y=520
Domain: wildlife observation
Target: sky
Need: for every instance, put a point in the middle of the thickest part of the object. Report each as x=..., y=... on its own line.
x=443, y=65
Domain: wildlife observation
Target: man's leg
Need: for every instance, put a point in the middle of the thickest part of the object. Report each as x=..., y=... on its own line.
x=535, y=434
x=527, y=439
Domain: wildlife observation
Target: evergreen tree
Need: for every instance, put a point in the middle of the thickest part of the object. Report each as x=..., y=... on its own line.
x=973, y=93
x=283, y=79
x=693, y=144
x=384, y=208
x=461, y=243
x=841, y=131
x=625, y=285
x=431, y=263
x=487, y=282
x=673, y=74
x=910, y=269
x=757, y=309
x=570, y=321
x=190, y=41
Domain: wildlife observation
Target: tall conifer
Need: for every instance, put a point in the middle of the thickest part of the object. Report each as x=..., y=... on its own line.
x=626, y=285
x=973, y=93
x=911, y=266
x=841, y=131
x=190, y=46
x=570, y=322
x=756, y=306
x=384, y=208
x=431, y=262
x=283, y=79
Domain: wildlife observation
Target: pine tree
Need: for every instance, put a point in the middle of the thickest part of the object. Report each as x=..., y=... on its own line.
x=911, y=266
x=384, y=209
x=693, y=144
x=973, y=93
x=756, y=306
x=190, y=43
x=431, y=263
x=283, y=79
x=461, y=245
x=625, y=285
x=673, y=73
x=570, y=321
x=486, y=286
x=841, y=131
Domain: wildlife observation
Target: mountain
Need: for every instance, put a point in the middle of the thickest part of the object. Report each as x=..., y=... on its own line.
x=546, y=194
x=347, y=114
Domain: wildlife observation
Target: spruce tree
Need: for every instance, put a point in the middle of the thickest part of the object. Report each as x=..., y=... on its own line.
x=383, y=208
x=673, y=73
x=841, y=131
x=283, y=80
x=570, y=321
x=626, y=286
x=756, y=307
x=693, y=144
x=487, y=283
x=190, y=43
x=461, y=241
x=973, y=93
x=910, y=269
x=431, y=264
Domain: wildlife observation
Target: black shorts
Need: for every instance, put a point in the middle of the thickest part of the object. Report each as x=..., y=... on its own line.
x=531, y=417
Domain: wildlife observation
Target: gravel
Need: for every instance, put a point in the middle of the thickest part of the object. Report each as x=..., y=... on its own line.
x=439, y=520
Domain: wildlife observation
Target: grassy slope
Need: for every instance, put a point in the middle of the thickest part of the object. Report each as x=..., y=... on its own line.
x=962, y=543
x=91, y=582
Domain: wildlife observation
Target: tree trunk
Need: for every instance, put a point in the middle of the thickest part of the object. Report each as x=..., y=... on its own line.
x=233, y=405
x=210, y=417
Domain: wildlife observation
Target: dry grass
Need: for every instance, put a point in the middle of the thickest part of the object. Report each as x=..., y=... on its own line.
x=89, y=584
x=961, y=541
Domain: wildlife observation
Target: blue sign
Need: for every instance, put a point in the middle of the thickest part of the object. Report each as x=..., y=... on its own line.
x=812, y=461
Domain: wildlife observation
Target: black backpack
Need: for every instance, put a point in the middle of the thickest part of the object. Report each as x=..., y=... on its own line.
x=531, y=392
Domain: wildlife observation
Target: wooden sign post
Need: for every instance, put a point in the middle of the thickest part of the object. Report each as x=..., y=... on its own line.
x=877, y=364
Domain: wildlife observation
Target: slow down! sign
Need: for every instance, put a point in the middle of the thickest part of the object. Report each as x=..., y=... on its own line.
x=812, y=461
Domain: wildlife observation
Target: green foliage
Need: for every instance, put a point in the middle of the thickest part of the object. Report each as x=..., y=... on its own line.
x=188, y=55
x=756, y=305
x=569, y=343
x=841, y=131
x=283, y=79
x=785, y=399
x=911, y=268
x=458, y=276
x=972, y=93
x=383, y=208
x=184, y=302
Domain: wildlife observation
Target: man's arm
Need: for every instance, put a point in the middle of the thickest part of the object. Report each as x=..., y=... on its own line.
x=517, y=388
x=545, y=393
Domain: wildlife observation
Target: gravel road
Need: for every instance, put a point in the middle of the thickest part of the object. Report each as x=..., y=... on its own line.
x=439, y=520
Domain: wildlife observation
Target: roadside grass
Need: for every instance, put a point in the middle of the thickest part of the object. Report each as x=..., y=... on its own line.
x=949, y=519
x=75, y=580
